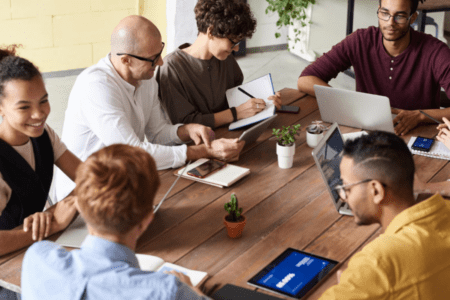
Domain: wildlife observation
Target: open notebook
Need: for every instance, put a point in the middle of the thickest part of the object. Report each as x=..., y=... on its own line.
x=259, y=88
x=224, y=177
x=438, y=150
x=75, y=234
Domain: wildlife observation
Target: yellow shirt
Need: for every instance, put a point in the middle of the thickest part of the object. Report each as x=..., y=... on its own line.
x=411, y=260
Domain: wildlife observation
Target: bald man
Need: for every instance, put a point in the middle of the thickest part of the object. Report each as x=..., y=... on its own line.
x=115, y=102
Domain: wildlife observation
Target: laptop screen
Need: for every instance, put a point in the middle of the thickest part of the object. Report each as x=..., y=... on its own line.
x=329, y=158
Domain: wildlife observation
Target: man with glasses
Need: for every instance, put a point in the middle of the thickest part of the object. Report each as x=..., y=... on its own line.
x=194, y=78
x=115, y=102
x=392, y=60
x=410, y=259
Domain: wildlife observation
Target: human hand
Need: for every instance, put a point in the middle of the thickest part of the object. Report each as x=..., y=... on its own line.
x=226, y=149
x=250, y=108
x=444, y=133
x=64, y=212
x=182, y=277
x=338, y=274
x=405, y=120
x=419, y=185
x=39, y=224
x=276, y=99
x=199, y=133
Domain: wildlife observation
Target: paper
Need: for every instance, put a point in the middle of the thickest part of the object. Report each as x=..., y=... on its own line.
x=438, y=150
x=259, y=88
x=75, y=234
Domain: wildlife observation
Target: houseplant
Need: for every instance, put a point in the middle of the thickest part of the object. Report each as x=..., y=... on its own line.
x=297, y=15
x=234, y=220
x=314, y=133
x=286, y=145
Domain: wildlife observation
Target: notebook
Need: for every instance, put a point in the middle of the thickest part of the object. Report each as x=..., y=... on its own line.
x=224, y=177
x=259, y=88
x=438, y=150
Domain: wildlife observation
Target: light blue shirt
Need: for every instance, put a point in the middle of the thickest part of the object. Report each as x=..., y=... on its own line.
x=101, y=269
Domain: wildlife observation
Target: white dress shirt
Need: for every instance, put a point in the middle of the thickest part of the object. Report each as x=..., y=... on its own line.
x=104, y=109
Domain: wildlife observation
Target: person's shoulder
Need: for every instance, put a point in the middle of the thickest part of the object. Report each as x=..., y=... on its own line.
x=369, y=33
x=428, y=42
x=43, y=250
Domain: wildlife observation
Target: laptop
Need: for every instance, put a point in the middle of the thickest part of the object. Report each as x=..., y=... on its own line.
x=328, y=155
x=354, y=109
x=253, y=133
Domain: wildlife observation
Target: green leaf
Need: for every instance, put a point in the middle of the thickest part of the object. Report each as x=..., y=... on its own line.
x=277, y=34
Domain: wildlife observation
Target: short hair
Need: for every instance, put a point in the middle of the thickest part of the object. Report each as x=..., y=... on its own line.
x=382, y=156
x=115, y=188
x=226, y=18
x=14, y=67
x=414, y=5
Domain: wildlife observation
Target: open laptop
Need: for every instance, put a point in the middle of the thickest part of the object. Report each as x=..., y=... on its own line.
x=328, y=155
x=354, y=109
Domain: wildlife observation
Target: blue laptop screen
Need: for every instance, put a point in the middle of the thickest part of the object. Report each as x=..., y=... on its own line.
x=329, y=157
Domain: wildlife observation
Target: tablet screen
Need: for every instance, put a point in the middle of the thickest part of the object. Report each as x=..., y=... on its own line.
x=293, y=273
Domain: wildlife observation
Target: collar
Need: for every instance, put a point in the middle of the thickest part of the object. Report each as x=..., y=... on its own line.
x=110, y=250
x=129, y=87
x=413, y=40
x=416, y=212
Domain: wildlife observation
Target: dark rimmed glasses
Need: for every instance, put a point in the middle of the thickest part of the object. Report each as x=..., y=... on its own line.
x=153, y=61
x=342, y=189
x=399, y=19
x=233, y=43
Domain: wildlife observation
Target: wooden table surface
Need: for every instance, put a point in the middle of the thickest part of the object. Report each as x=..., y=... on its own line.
x=284, y=208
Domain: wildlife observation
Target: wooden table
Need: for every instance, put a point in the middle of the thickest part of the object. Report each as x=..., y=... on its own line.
x=284, y=208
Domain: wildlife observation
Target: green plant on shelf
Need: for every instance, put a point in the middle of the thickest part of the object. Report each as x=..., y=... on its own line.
x=234, y=212
x=286, y=135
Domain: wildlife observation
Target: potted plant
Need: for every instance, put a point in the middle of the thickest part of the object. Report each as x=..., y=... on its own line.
x=297, y=15
x=314, y=133
x=234, y=220
x=286, y=145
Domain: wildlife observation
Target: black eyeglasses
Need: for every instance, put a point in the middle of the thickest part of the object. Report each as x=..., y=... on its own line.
x=399, y=19
x=153, y=61
x=233, y=43
x=342, y=189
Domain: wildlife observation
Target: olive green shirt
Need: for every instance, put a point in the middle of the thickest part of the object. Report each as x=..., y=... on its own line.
x=192, y=90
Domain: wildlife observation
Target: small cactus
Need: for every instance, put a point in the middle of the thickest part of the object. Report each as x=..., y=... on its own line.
x=233, y=209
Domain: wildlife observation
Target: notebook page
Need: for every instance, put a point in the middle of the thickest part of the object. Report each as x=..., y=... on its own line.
x=195, y=276
x=259, y=88
x=149, y=262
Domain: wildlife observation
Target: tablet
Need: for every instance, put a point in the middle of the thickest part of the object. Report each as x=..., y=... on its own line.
x=253, y=133
x=294, y=273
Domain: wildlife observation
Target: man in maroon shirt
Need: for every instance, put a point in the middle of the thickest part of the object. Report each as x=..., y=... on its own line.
x=393, y=60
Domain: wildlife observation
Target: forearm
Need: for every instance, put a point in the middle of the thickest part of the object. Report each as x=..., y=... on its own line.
x=222, y=118
x=197, y=152
x=306, y=84
x=438, y=114
x=14, y=239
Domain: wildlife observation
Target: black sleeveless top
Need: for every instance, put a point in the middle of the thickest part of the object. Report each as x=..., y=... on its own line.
x=29, y=188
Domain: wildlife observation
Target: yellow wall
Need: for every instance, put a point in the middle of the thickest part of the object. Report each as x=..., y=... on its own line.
x=68, y=34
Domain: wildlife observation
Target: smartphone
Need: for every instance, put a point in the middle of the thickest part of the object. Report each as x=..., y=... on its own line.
x=422, y=144
x=289, y=109
x=207, y=168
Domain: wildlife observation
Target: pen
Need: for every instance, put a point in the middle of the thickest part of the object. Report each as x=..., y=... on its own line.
x=430, y=117
x=246, y=93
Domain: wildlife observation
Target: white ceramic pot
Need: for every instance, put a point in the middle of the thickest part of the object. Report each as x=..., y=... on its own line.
x=313, y=139
x=285, y=156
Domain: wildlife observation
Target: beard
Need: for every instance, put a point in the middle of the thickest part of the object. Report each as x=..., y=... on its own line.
x=401, y=33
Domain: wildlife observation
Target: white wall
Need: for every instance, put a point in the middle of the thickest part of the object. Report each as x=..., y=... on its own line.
x=266, y=28
x=447, y=21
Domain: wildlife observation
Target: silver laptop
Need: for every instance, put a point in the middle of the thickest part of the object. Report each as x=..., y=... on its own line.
x=328, y=155
x=354, y=109
x=253, y=133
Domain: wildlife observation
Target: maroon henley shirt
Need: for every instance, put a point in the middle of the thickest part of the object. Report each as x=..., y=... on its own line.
x=411, y=80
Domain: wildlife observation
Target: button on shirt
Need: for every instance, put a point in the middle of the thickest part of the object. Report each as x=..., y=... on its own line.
x=101, y=269
x=412, y=80
x=104, y=109
x=411, y=260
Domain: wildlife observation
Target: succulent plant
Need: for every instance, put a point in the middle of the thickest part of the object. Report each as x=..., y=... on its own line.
x=316, y=127
x=233, y=209
x=286, y=135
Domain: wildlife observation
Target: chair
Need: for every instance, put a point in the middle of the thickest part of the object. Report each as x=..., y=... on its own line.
x=428, y=21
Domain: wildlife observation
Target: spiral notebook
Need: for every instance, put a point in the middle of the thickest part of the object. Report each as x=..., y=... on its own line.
x=438, y=150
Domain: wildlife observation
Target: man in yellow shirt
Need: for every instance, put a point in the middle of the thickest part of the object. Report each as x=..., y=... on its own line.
x=411, y=259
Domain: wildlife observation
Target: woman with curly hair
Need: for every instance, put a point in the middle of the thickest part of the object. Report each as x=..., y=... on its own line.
x=194, y=78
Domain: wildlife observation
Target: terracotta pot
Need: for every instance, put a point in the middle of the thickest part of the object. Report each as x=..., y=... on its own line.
x=234, y=228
